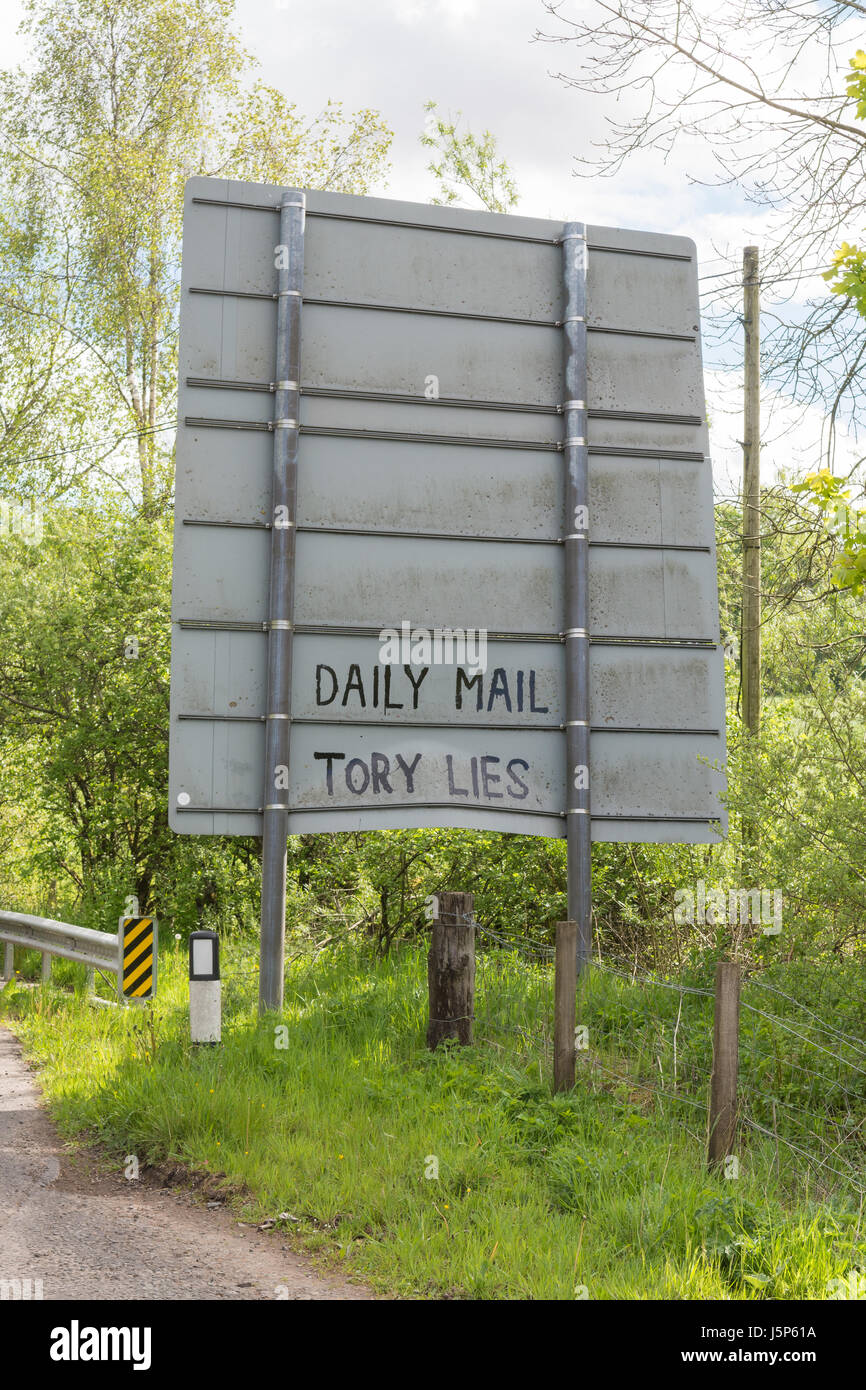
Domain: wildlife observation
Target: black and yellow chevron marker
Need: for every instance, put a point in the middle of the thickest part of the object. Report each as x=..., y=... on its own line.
x=139, y=957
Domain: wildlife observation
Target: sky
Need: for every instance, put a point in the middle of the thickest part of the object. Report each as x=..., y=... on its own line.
x=481, y=58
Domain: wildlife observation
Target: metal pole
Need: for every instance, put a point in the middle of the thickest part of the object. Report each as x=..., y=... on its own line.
x=578, y=825
x=750, y=650
x=281, y=605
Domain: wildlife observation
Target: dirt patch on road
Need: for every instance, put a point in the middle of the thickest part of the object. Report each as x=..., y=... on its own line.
x=86, y=1231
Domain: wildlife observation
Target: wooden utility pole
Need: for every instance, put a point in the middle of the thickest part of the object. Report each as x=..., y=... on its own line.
x=451, y=969
x=564, y=1001
x=723, y=1084
x=750, y=637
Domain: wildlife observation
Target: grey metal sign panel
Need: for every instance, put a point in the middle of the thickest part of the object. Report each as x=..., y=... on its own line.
x=219, y=673
x=367, y=464
x=224, y=575
x=376, y=484
x=377, y=263
x=340, y=581
x=505, y=776
x=364, y=349
x=654, y=501
x=669, y=593
x=223, y=674
x=405, y=486
x=373, y=485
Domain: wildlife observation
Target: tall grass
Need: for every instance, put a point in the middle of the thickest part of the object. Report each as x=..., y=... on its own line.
x=335, y=1115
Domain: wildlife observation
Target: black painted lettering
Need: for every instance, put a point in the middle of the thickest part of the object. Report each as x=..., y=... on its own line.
x=524, y=792
x=416, y=684
x=380, y=766
x=388, y=704
x=534, y=708
x=408, y=770
x=320, y=669
x=329, y=774
x=488, y=777
x=499, y=689
x=463, y=680
x=350, y=772
x=454, y=791
x=355, y=683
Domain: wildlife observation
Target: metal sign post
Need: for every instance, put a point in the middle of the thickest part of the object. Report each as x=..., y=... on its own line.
x=464, y=558
x=576, y=460
x=287, y=410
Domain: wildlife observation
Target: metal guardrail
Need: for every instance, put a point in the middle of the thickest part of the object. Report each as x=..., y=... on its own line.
x=97, y=950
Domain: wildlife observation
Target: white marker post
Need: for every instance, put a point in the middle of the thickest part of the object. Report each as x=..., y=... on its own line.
x=205, y=990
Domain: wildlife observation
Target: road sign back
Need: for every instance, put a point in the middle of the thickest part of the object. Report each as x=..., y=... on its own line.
x=431, y=447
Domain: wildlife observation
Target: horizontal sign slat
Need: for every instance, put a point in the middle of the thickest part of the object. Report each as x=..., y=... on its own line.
x=372, y=350
x=224, y=673
x=333, y=767
x=363, y=581
x=402, y=485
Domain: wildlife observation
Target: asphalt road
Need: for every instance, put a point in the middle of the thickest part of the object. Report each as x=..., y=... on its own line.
x=91, y=1234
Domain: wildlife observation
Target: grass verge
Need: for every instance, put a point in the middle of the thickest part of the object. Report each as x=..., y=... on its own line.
x=454, y=1174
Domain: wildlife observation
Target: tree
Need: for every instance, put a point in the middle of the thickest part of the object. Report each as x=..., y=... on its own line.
x=120, y=102
x=96, y=718
x=49, y=432
x=831, y=494
x=750, y=88
x=463, y=162
x=124, y=100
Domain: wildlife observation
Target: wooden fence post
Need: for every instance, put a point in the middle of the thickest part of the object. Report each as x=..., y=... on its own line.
x=564, y=1002
x=723, y=1084
x=451, y=969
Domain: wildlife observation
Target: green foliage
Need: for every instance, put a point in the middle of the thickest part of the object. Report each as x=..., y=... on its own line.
x=117, y=106
x=122, y=101
x=83, y=730
x=536, y=1195
x=847, y=524
x=464, y=162
x=847, y=278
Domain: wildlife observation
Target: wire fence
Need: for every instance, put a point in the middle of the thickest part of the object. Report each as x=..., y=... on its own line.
x=648, y=1035
x=802, y=1071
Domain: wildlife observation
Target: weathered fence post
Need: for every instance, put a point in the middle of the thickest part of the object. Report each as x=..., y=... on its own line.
x=564, y=1002
x=8, y=960
x=451, y=969
x=46, y=966
x=723, y=1084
